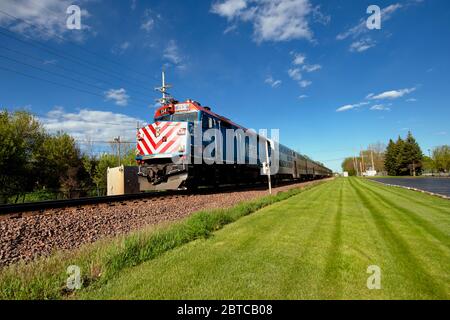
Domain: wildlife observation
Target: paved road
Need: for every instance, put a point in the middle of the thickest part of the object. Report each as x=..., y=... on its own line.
x=435, y=185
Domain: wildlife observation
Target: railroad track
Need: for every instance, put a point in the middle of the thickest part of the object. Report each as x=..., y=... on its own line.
x=17, y=209
x=6, y=209
x=69, y=224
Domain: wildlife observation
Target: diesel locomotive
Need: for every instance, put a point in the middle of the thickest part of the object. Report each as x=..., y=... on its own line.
x=171, y=157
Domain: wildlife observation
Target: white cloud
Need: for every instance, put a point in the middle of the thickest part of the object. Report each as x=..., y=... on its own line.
x=275, y=20
x=43, y=14
x=272, y=82
x=393, y=94
x=411, y=100
x=380, y=107
x=361, y=28
x=119, y=96
x=229, y=8
x=172, y=54
x=311, y=68
x=362, y=45
x=299, y=58
x=148, y=22
x=348, y=107
x=121, y=48
x=133, y=4
x=303, y=96
x=305, y=83
x=91, y=124
x=295, y=74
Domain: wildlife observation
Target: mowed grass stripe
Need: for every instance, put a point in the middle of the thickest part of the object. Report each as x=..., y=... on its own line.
x=315, y=245
x=440, y=205
x=409, y=216
x=426, y=239
x=409, y=265
x=230, y=266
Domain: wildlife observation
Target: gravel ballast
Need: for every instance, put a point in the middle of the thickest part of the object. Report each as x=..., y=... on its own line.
x=40, y=234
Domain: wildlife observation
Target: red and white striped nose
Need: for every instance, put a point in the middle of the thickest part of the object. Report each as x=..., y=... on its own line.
x=162, y=138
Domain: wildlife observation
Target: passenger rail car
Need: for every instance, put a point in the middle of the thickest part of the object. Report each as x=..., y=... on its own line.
x=172, y=135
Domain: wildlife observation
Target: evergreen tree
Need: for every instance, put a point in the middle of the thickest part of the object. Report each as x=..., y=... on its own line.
x=412, y=155
x=401, y=162
x=391, y=158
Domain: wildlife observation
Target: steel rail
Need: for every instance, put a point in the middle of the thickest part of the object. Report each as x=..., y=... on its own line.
x=65, y=203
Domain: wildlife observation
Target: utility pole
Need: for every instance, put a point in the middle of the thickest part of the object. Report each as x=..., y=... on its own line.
x=363, y=167
x=268, y=166
x=371, y=155
x=432, y=164
x=360, y=168
x=118, y=141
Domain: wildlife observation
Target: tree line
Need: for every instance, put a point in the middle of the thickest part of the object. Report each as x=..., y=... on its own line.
x=400, y=158
x=37, y=165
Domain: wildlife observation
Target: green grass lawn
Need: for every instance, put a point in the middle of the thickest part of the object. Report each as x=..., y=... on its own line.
x=315, y=245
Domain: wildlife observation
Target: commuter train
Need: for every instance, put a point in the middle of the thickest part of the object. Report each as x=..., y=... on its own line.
x=171, y=151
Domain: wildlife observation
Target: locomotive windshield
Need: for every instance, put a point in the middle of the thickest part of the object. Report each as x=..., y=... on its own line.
x=187, y=116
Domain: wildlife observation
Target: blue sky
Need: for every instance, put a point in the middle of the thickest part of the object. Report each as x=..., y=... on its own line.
x=310, y=68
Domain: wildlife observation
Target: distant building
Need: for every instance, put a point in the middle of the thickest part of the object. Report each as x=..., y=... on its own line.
x=370, y=173
x=345, y=174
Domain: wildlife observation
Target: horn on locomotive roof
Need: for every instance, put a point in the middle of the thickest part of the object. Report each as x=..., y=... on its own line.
x=166, y=97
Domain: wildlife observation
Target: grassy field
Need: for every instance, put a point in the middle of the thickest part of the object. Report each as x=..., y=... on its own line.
x=315, y=245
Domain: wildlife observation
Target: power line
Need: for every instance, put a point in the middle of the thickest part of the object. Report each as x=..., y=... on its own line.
x=40, y=28
x=68, y=57
x=66, y=69
x=85, y=49
x=59, y=75
x=49, y=81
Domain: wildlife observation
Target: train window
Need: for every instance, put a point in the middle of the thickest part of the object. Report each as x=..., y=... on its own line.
x=190, y=117
x=164, y=118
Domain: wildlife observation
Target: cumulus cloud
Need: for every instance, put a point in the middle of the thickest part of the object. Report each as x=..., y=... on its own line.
x=295, y=74
x=272, y=82
x=393, y=94
x=299, y=58
x=91, y=124
x=305, y=83
x=348, y=107
x=276, y=20
x=43, y=14
x=229, y=8
x=119, y=96
x=299, y=62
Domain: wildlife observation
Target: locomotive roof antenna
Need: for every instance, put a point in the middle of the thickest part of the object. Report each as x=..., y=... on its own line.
x=166, y=97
